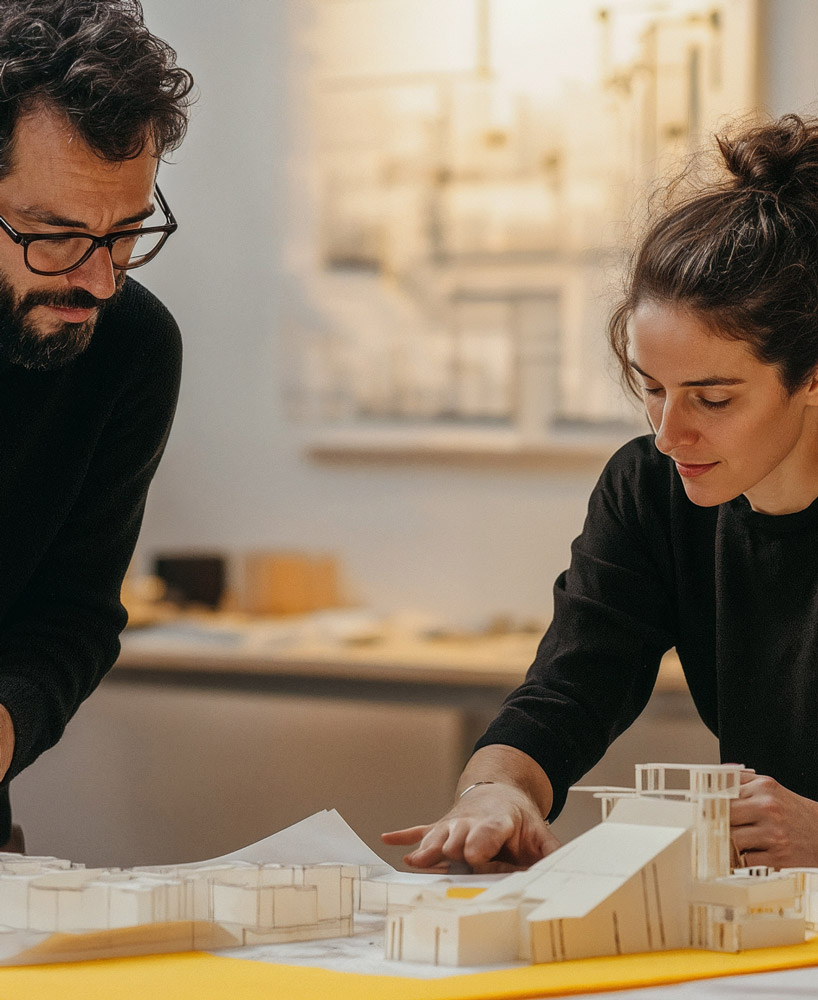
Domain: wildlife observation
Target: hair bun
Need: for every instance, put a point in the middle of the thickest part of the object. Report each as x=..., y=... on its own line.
x=771, y=157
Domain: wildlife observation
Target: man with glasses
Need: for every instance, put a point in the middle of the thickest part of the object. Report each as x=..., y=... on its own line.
x=90, y=101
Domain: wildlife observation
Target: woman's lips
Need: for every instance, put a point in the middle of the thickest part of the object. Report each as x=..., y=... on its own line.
x=690, y=471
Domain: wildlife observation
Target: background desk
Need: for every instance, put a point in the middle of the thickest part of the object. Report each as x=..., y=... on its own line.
x=188, y=751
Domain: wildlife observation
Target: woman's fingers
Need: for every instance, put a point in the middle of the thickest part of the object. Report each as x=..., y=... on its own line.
x=411, y=835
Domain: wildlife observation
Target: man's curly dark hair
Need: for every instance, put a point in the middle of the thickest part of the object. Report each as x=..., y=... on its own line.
x=95, y=61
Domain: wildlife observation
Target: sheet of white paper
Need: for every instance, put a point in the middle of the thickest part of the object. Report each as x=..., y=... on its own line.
x=324, y=836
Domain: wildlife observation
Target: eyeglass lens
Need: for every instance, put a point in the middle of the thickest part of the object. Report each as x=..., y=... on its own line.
x=60, y=254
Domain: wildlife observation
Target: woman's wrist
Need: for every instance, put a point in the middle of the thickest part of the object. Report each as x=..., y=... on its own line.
x=499, y=764
x=475, y=784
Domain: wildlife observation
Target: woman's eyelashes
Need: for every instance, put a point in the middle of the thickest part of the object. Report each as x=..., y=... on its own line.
x=710, y=404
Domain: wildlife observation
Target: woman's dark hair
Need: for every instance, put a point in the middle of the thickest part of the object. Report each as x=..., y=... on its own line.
x=95, y=61
x=742, y=253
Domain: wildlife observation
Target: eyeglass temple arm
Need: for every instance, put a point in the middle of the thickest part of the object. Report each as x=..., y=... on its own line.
x=18, y=239
x=165, y=207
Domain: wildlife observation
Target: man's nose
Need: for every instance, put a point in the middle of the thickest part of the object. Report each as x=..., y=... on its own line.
x=96, y=275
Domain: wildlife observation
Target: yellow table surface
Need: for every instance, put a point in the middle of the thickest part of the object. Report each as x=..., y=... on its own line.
x=198, y=976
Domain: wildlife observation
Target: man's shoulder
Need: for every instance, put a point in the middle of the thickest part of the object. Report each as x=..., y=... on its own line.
x=137, y=324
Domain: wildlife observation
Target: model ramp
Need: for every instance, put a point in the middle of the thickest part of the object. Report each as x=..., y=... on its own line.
x=622, y=883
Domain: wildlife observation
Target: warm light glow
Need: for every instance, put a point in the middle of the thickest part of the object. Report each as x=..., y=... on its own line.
x=376, y=37
x=479, y=161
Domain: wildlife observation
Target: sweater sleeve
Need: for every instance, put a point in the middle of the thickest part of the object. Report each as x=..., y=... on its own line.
x=62, y=635
x=613, y=619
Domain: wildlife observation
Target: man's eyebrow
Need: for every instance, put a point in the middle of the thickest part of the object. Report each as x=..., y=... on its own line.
x=709, y=380
x=48, y=218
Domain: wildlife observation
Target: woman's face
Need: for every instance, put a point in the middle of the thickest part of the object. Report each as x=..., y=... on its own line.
x=722, y=415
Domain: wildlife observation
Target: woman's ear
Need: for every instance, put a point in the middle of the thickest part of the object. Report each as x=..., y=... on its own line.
x=811, y=389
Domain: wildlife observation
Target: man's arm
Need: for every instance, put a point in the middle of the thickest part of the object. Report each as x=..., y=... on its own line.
x=60, y=635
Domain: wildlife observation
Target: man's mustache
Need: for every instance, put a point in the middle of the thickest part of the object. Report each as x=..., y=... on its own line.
x=71, y=298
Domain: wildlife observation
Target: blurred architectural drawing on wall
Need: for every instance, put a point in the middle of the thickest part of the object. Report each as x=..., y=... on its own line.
x=477, y=164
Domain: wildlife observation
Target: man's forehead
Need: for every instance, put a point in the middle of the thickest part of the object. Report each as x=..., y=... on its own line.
x=45, y=136
x=42, y=120
x=57, y=179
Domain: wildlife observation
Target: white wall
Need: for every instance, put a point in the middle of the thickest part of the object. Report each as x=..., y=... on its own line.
x=789, y=71
x=463, y=543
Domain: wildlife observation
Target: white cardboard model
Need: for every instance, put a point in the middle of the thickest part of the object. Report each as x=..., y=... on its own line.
x=51, y=910
x=54, y=911
x=654, y=875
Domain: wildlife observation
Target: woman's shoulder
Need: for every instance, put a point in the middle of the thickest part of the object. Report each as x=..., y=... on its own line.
x=640, y=486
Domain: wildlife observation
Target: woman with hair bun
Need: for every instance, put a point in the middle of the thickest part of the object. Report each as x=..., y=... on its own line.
x=702, y=536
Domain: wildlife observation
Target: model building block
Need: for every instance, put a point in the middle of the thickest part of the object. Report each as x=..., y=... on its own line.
x=378, y=893
x=139, y=911
x=807, y=893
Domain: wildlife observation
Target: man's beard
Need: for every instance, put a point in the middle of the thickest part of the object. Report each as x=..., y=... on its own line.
x=21, y=343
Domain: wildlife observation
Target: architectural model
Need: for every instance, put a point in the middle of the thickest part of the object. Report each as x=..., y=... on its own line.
x=654, y=875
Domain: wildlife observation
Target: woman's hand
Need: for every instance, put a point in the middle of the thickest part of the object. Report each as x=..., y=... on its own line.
x=497, y=822
x=493, y=828
x=6, y=740
x=770, y=825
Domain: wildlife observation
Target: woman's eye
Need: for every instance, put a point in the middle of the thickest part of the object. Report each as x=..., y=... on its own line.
x=714, y=404
x=651, y=391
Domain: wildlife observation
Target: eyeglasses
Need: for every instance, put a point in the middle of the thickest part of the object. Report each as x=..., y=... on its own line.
x=58, y=253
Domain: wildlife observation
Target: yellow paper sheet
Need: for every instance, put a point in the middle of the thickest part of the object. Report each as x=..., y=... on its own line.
x=194, y=976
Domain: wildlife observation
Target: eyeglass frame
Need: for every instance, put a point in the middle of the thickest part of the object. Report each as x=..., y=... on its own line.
x=26, y=239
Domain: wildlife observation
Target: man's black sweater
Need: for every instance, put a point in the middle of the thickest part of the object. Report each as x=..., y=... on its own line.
x=734, y=590
x=78, y=448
